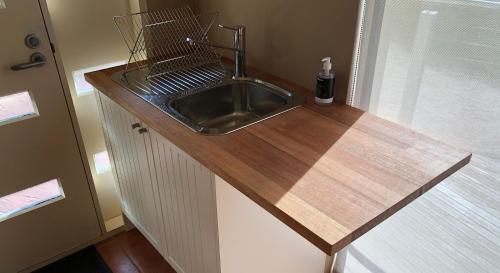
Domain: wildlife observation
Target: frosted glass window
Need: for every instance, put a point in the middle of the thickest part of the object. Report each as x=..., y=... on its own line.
x=17, y=106
x=102, y=163
x=29, y=199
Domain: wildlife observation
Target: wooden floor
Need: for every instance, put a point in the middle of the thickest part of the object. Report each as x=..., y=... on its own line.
x=130, y=252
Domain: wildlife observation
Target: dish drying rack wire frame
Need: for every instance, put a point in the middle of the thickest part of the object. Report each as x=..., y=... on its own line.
x=157, y=41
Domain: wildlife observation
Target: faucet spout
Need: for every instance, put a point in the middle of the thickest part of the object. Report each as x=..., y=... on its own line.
x=239, y=46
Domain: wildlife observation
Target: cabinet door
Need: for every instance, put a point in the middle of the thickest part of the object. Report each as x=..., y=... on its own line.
x=168, y=195
x=188, y=209
x=128, y=139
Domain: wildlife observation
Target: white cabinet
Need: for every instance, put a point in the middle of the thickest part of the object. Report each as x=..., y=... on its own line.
x=166, y=194
x=126, y=145
x=196, y=220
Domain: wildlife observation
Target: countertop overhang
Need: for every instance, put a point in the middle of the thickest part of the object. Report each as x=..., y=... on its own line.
x=331, y=173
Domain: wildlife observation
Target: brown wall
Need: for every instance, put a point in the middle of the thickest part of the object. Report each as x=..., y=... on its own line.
x=288, y=38
x=165, y=4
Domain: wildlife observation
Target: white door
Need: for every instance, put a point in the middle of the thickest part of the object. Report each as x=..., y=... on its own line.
x=38, y=148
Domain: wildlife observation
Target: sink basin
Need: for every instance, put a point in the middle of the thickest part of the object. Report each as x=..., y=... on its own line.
x=211, y=108
x=232, y=105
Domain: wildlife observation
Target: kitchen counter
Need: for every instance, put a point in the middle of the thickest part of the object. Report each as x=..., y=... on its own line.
x=330, y=173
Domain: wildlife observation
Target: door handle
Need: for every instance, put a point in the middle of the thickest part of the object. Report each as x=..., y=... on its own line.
x=36, y=60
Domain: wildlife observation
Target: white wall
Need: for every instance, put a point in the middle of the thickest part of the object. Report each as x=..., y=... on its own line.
x=251, y=240
x=86, y=37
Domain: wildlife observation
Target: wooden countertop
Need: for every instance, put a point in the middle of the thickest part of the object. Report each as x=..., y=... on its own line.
x=330, y=173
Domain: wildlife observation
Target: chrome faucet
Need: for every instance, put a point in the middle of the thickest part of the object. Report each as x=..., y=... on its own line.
x=238, y=48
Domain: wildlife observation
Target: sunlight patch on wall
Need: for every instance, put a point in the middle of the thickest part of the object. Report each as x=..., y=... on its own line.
x=102, y=162
x=82, y=87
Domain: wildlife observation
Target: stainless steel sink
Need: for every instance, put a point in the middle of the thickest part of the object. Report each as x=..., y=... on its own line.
x=213, y=108
x=232, y=105
x=181, y=74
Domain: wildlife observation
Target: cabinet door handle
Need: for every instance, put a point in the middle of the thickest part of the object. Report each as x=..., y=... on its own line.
x=136, y=125
x=143, y=130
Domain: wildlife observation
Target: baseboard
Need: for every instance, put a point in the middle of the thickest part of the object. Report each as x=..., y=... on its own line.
x=114, y=223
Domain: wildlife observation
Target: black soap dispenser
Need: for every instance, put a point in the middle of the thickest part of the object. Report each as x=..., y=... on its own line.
x=325, y=82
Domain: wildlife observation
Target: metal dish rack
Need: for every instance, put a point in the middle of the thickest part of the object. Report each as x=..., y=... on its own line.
x=161, y=60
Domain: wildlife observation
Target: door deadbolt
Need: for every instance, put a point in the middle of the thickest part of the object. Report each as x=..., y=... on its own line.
x=32, y=41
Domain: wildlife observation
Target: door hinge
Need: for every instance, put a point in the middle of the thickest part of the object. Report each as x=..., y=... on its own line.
x=53, y=48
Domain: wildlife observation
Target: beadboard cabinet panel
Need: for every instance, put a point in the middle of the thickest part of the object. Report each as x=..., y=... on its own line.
x=187, y=201
x=165, y=193
x=132, y=169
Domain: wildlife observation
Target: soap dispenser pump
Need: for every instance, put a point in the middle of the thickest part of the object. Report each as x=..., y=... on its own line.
x=325, y=83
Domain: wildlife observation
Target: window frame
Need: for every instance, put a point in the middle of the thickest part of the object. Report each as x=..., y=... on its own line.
x=369, y=26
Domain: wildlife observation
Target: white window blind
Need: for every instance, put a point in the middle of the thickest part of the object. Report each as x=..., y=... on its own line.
x=436, y=69
x=434, y=66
